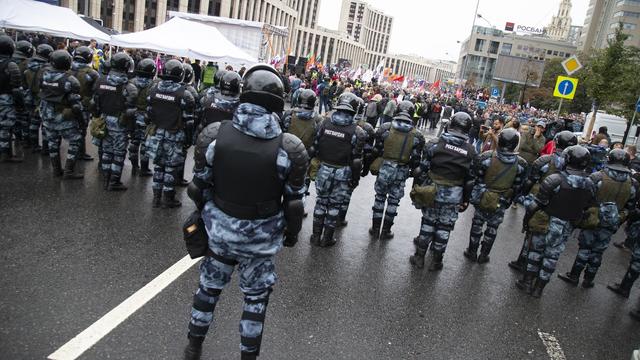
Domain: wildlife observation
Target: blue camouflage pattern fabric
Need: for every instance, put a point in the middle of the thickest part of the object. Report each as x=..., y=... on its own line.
x=56, y=125
x=438, y=222
x=9, y=116
x=137, y=145
x=7, y=122
x=392, y=177
x=32, y=101
x=593, y=243
x=492, y=220
x=250, y=245
x=545, y=249
x=332, y=183
x=114, y=144
x=633, y=231
x=598, y=157
x=167, y=147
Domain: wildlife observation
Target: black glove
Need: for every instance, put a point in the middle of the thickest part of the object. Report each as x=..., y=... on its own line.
x=463, y=207
x=353, y=183
x=290, y=240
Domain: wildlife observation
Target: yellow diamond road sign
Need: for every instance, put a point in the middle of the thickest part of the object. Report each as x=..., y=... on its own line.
x=571, y=65
x=565, y=87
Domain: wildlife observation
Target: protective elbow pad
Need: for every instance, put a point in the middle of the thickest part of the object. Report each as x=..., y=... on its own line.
x=293, y=214
x=466, y=193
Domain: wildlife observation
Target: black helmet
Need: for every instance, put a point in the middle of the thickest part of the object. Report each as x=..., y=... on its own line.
x=7, y=46
x=83, y=54
x=25, y=47
x=229, y=84
x=307, y=99
x=508, y=140
x=564, y=139
x=173, y=70
x=619, y=160
x=360, y=109
x=576, y=157
x=121, y=62
x=405, y=111
x=61, y=60
x=188, y=73
x=146, y=68
x=218, y=77
x=262, y=85
x=348, y=102
x=460, y=123
x=43, y=51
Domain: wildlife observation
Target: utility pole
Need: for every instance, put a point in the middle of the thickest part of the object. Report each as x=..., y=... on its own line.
x=466, y=59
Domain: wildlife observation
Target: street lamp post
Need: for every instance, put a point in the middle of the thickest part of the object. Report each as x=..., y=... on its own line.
x=466, y=59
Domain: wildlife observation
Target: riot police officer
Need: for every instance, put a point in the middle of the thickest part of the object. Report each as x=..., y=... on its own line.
x=60, y=108
x=189, y=126
x=561, y=201
x=253, y=210
x=616, y=196
x=11, y=97
x=219, y=102
x=87, y=76
x=145, y=73
x=338, y=147
x=171, y=106
x=446, y=181
x=499, y=176
x=24, y=50
x=542, y=167
x=33, y=76
x=399, y=146
x=623, y=288
x=115, y=102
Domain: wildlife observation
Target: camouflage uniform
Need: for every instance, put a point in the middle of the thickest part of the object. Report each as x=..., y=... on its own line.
x=251, y=245
x=166, y=146
x=58, y=125
x=118, y=122
x=137, y=146
x=333, y=181
x=33, y=77
x=21, y=130
x=396, y=168
x=307, y=139
x=87, y=78
x=493, y=219
x=214, y=107
x=11, y=99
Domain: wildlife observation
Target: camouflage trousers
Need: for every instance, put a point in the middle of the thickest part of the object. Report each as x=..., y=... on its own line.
x=257, y=277
x=591, y=246
x=137, y=146
x=7, y=127
x=492, y=220
x=437, y=224
x=114, y=146
x=546, y=248
x=36, y=129
x=345, y=206
x=389, y=192
x=634, y=230
x=54, y=139
x=332, y=193
x=166, y=148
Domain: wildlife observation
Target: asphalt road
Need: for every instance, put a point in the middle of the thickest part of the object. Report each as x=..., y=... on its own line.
x=71, y=252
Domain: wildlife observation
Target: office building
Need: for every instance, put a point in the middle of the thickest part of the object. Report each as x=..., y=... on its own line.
x=603, y=17
x=560, y=26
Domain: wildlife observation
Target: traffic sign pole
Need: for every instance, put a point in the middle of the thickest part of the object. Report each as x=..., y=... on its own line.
x=559, y=107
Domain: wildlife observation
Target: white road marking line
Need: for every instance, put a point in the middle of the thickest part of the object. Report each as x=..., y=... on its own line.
x=553, y=346
x=91, y=335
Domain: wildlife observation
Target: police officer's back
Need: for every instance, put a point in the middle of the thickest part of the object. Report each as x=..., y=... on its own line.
x=303, y=121
x=87, y=76
x=11, y=96
x=220, y=101
x=143, y=81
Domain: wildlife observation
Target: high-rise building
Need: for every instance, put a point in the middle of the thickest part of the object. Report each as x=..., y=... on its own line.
x=603, y=17
x=560, y=27
x=366, y=25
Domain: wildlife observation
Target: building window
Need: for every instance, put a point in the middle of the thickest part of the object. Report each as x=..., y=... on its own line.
x=632, y=14
x=625, y=26
x=555, y=53
x=506, y=49
x=493, y=47
x=549, y=52
x=479, y=45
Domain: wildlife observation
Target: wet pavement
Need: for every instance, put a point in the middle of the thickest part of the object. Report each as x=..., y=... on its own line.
x=71, y=252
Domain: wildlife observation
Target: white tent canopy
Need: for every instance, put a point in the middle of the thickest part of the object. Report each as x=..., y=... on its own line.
x=35, y=16
x=186, y=38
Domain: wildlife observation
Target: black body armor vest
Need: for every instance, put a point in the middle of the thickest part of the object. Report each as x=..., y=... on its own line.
x=334, y=146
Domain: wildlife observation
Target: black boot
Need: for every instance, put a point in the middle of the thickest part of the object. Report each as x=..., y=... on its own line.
x=386, y=233
x=17, y=152
x=573, y=276
x=519, y=265
x=624, y=288
x=375, y=228
x=69, y=171
x=134, y=167
x=417, y=259
x=341, y=218
x=56, y=166
x=328, y=239
x=144, y=169
x=587, y=280
x=115, y=184
x=82, y=154
x=538, y=287
x=106, y=179
x=157, y=198
x=44, y=149
x=248, y=356
x=526, y=283
x=316, y=232
x=436, y=261
x=471, y=252
x=635, y=314
x=193, y=351
x=485, y=249
x=180, y=180
x=169, y=200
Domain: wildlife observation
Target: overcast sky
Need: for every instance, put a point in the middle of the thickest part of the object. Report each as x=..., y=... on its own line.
x=431, y=27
